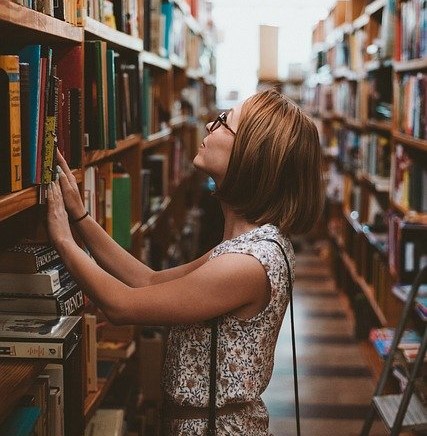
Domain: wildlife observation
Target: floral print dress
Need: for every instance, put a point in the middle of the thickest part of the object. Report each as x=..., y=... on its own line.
x=245, y=348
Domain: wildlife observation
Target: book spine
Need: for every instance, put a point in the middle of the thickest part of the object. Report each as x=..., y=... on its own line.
x=10, y=65
x=70, y=302
x=24, y=71
x=31, y=350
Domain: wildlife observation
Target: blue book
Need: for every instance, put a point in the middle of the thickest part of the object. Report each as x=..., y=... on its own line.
x=31, y=55
x=167, y=11
x=20, y=422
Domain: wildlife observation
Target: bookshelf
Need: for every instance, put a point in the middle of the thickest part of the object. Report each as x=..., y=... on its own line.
x=366, y=91
x=164, y=96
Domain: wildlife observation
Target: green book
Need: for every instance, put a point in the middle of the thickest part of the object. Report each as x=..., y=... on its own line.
x=111, y=85
x=122, y=209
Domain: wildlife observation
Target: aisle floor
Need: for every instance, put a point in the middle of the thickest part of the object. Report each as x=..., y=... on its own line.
x=335, y=384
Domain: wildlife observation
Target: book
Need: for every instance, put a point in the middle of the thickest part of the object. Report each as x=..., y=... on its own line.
x=21, y=421
x=27, y=257
x=115, y=350
x=67, y=301
x=89, y=334
x=106, y=422
x=24, y=77
x=55, y=413
x=32, y=54
x=38, y=336
x=43, y=282
x=382, y=338
x=122, y=209
x=10, y=125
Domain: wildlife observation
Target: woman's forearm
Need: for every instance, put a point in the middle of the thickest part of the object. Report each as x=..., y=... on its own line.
x=111, y=256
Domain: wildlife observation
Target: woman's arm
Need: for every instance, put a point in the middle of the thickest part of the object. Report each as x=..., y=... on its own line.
x=107, y=253
x=224, y=284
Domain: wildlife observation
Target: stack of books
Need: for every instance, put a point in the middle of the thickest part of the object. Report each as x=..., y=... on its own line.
x=33, y=279
x=382, y=338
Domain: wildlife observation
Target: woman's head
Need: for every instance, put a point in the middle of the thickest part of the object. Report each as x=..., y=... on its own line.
x=274, y=171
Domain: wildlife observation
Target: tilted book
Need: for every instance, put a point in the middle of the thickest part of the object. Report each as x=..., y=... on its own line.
x=38, y=336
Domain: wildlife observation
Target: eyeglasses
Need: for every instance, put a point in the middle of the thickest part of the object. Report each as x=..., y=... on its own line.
x=221, y=120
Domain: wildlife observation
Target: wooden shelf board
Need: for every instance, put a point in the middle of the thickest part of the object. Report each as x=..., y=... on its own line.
x=185, y=8
x=93, y=400
x=135, y=227
x=420, y=144
x=385, y=126
x=354, y=123
x=112, y=36
x=22, y=17
x=16, y=202
x=375, y=6
x=156, y=138
x=411, y=65
x=94, y=156
x=367, y=289
x=178, y=62
x=361, y=21
x=16, y=377
x=194, y=74
x=178, y=121
x=156, y=61
x=150, y=225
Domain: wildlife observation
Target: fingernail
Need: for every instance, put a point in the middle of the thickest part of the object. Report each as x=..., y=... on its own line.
x=58, y=169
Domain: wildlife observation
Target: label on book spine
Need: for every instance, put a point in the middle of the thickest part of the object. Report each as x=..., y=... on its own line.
x=30, y=350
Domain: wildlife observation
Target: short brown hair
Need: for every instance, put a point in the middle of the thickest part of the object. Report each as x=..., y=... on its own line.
x=274, y=174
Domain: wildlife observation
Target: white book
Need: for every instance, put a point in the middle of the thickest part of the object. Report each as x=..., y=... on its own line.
x=106, y=422
x=43, y=282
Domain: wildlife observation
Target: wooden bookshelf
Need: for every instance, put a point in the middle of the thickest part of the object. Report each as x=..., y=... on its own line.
x=156, y=61
x=412, y=65
x=383, y=126
x=16, y=377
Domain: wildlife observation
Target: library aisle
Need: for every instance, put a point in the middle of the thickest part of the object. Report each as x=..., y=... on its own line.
x=335, y=384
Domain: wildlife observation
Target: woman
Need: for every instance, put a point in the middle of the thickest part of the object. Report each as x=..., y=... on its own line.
x=265, y=158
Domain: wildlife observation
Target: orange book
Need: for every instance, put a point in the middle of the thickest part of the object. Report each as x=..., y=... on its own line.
x=10, y=125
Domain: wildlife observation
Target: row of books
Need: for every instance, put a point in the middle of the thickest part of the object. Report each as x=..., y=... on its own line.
x=408, y=179
x=70, y=11
x=412, y=104
x=112, y=90
x=41, y=101
x=413, y=36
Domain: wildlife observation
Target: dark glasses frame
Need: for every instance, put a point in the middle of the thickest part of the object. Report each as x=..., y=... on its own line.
x=221, y=119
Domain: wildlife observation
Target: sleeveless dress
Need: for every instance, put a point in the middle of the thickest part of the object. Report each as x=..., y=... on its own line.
x=245, y=348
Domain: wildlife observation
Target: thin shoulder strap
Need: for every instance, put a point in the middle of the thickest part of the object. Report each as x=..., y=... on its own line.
x=294, y=352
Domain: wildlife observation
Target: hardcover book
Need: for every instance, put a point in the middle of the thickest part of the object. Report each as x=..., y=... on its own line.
x=10, y=125
x=27, y=257
x=67, y=301
x=38, y=337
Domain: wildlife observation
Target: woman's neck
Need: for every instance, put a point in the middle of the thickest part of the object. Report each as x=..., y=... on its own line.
x=234, y=225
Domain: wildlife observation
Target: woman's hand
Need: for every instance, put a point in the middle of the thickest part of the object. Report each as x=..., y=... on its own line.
x=57, y=217
x=70, y=190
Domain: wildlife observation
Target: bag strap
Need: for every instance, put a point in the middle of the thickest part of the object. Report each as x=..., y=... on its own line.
x=212, y=378
x=213, y=358
x=294, y=351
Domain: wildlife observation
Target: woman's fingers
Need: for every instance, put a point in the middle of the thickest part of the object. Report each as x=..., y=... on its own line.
x=63, y=165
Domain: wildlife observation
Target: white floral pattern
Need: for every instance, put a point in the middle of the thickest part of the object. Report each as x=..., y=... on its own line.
x=245, y=347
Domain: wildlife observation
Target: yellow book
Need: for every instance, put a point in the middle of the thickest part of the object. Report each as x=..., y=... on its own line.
x=9, y=69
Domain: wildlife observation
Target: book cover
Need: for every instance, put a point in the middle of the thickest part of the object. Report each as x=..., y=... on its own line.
x=68, y=300
x=10, y=125
x=27, y=258
x=40, y=336
x=31, y=55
